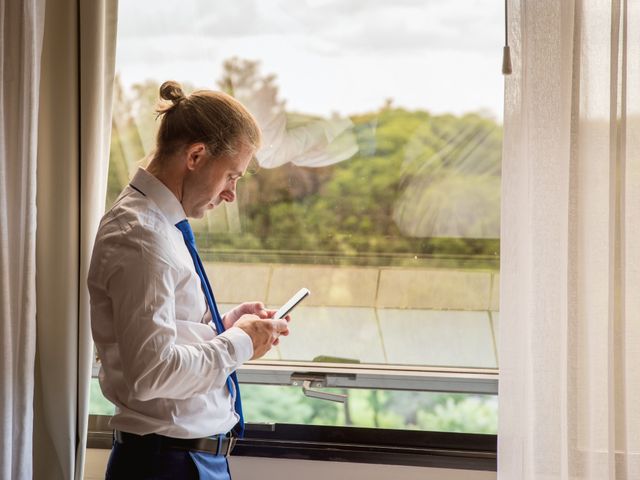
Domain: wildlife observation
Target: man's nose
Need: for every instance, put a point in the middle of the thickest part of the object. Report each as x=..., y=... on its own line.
x=232, y=190
x=229, y=195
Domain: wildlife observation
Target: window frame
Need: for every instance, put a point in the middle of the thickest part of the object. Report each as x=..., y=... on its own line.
x=448, y=450
x=357, y=444
x=419, y=448
x=372, y=376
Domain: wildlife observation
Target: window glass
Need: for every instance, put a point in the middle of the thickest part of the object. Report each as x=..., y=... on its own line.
x=442, y=412
x=98, y=405
x=378, y=187
x=433, y=411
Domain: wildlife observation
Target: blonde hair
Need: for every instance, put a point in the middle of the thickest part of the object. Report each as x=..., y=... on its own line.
x=213, y=118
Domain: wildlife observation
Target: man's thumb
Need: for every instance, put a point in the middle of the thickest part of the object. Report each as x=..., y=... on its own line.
x=280, y=325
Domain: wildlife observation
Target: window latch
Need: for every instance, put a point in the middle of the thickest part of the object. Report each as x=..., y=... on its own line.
x=310, y=382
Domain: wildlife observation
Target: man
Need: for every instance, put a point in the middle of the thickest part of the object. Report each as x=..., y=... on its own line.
x=168, y=357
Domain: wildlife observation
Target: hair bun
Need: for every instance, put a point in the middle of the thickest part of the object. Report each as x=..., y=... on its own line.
x=172, y=91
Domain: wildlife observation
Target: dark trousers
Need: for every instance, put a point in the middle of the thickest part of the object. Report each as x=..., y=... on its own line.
x=153, y=462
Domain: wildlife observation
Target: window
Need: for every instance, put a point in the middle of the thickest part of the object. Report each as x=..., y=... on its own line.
x=378, y=189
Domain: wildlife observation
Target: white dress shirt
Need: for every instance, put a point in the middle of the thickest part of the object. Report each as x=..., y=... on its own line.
x=162, y=363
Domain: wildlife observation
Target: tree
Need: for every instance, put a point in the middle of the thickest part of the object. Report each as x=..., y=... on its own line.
x=421, y=185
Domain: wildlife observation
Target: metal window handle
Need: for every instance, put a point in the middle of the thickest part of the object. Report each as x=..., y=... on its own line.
x=308, y=381
x=312, y=392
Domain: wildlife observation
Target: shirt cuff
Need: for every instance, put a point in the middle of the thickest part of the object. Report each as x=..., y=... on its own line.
x=242, y=343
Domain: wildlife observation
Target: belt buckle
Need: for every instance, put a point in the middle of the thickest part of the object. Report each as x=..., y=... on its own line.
x=230, y=445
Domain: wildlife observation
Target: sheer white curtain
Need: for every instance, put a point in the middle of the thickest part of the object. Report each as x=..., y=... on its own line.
x=55, y=110
x=570, y=283
x=20, y=49
x=75, y=119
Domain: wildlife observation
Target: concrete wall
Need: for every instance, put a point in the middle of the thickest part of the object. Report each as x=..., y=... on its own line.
x=348, y=286
x=388, y=315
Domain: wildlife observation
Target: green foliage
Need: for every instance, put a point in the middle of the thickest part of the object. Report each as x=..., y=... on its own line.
x=364, y=408
x=373, y=408
x=467, y=415
x=98, y=405
x=421, y=188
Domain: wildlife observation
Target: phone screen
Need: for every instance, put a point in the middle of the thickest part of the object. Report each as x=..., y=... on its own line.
x=292, y=302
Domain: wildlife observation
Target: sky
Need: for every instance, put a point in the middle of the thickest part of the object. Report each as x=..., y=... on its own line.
x=329, y=56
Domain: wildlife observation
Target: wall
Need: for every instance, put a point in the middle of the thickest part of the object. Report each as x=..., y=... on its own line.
x=249, y=468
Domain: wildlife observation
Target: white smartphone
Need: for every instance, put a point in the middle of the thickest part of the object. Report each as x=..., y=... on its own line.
x=293, y=301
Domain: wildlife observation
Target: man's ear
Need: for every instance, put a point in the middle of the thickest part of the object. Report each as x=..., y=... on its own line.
x=195, y=154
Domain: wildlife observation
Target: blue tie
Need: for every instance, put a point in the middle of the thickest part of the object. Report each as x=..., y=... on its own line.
x=190, y=241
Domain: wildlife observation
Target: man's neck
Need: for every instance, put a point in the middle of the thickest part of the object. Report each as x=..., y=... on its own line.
x=171, y=177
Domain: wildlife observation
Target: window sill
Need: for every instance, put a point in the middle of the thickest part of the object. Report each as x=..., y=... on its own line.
x=349, y=444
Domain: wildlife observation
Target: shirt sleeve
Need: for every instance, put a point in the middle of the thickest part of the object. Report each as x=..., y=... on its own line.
x=141, y=279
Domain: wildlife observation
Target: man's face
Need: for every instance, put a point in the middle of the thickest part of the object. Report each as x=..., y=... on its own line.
x=214, y=180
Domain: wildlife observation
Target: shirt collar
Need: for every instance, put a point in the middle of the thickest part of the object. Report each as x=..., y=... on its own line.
x=157, y=191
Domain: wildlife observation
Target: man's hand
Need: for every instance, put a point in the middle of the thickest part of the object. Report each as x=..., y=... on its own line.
x=251, y=308
x=264, y=332
x=248, y=308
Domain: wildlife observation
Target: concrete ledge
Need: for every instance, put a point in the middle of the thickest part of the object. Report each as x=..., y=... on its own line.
x=330, y=286
x=438, y=338
x=237, y=283
x=434, y=289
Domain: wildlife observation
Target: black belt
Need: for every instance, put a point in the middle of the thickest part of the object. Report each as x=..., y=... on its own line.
x=218, y=445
